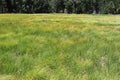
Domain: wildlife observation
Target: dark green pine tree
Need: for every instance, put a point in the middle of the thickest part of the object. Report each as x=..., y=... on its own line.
x=59, y=6
x=69, y=6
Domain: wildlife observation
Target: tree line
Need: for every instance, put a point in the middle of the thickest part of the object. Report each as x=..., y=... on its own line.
x=60, y=6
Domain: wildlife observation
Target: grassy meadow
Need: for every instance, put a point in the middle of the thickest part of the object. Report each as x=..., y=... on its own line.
x=59, y=47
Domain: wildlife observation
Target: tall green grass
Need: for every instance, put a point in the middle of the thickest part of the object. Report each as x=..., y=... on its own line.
x=59, y=47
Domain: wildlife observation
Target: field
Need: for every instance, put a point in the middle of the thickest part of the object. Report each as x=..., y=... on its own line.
x=59, y=47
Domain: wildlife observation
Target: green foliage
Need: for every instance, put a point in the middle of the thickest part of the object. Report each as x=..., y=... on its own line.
x=109, y=8
x=69, y=6
x=61, y=6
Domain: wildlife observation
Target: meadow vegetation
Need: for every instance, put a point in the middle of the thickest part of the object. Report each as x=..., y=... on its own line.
x=59, y=47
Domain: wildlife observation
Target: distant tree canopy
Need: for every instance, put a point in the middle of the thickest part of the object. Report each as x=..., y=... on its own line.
x=60, y=6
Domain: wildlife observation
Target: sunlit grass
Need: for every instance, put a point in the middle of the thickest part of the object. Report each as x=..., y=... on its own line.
x=59, y=47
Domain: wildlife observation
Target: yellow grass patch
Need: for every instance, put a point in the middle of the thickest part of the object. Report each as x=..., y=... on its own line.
x=82, y=39
x=6, y=35
x=66, y=42
x=6, y=77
